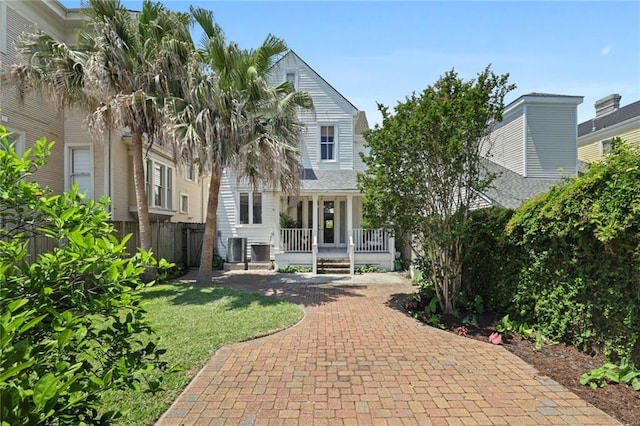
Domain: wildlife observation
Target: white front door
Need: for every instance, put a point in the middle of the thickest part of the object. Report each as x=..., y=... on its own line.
x=332, y=222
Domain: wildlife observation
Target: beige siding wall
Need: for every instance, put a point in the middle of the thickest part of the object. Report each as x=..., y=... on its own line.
x=591, y=151
x=31, y=116
x=551, y=141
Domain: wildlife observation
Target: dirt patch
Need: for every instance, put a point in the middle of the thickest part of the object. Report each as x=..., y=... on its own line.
x=564, y=364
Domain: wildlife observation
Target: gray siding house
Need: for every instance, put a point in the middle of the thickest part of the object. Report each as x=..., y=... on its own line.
x=533, y=147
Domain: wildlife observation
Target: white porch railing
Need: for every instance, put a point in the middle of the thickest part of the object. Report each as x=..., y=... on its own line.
x=296, y=239
x=370, y=240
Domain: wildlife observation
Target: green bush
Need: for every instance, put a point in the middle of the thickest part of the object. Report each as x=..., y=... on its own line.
x=491, y=262
x=580, y=282
x=71, y=323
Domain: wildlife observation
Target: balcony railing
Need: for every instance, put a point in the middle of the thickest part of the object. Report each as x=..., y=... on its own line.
x=371, y=240
x=296, y=239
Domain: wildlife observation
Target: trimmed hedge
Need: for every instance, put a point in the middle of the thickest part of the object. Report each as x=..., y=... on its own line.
x=568, y=261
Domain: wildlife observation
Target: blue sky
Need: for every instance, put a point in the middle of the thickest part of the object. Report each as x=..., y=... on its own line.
x=382, y=51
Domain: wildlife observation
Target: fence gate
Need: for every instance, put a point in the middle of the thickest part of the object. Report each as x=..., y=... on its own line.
x=193, y=235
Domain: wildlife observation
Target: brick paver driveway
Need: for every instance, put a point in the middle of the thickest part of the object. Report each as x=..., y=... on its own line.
x=357, y=359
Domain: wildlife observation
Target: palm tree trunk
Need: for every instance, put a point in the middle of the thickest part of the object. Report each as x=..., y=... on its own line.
x=142, y=202
x=209, y=239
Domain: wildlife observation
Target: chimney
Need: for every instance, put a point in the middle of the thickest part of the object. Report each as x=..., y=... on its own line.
x=607, y=105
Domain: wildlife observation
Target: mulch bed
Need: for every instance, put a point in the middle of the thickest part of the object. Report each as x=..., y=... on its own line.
x=564, y=364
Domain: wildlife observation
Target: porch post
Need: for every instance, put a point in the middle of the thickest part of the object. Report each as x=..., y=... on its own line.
x=276, y=224
x=352, y=254
x=314, y=233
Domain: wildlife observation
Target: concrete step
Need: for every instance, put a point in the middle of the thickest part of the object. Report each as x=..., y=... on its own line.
x=333, y=271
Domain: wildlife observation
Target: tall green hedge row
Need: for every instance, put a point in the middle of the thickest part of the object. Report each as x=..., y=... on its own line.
x=568, y=261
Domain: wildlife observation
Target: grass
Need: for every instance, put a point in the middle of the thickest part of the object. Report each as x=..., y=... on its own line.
x=193, y=323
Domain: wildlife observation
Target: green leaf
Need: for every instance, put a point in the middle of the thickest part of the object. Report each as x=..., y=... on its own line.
x=635, y=385
x=585, y=378
x=16, y=369
x=16, y=304
x=627, y=378
x=45, y=389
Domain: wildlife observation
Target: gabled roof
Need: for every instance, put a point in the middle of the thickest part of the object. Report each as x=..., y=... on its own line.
x=291, y=52
x=618, y=116
x=510, y=189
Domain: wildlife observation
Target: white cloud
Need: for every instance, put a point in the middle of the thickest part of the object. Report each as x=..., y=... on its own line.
x=606, y=50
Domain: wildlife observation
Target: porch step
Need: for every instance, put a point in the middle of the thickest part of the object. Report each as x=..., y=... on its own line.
x=334, y=266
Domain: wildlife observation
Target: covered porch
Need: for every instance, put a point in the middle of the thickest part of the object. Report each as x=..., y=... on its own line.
x=314, y=228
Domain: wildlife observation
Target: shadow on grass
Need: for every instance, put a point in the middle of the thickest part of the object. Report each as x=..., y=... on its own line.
x=188, y=294
x=267, y=289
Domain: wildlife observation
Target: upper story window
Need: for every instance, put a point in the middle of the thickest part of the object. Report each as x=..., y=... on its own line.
x=160, y=184
x=327, y=143
x=250, y=208
x=184, y=203
x=79, y=169
x=605, y=147
x=190, y=172
x=291, y=77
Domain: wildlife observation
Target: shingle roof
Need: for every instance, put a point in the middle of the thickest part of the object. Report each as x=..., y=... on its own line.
x=329, y=180
x=510, y=189
x=618, y=116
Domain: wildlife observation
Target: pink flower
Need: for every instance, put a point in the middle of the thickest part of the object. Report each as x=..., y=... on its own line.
x=495, y=338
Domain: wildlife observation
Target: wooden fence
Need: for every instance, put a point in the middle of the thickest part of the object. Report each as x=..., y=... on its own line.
x=177, y=242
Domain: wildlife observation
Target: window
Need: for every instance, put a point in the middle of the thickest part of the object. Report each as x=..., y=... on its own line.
x=17, y=139
x=327, y=143
x=605, y=147
x=251, y=202
x=78, y=166
x=160, y=185
x=184, y=203
x=190, y=172
x=291, y=77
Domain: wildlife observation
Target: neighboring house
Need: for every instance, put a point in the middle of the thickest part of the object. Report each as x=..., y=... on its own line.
x=324, y=220
x=176, y=193
x=533, y=147
x=594, y=135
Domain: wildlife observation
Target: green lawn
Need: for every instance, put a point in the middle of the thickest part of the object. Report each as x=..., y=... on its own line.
x=193, y=323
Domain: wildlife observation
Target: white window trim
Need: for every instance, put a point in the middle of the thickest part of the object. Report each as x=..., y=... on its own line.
x=183, y=195
x=335, y=142
x=186, y=174
x=150, y=184
x=68, y=148
x=295, y=74
x=250, y=195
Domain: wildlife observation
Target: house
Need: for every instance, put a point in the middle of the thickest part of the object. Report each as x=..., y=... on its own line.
x=103, y=168
x=610, y=121
x=533, y=147
x=323, y=222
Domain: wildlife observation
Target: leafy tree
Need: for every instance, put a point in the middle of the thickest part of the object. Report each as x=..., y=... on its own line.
x=425, y=169
x=122, y=66
x=71, y=323
x=231, y=118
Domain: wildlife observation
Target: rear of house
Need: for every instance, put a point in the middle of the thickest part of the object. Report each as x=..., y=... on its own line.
x=323, y=222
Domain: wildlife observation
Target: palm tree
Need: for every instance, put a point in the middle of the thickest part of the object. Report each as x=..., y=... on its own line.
x=122, y=67
x=231, y=118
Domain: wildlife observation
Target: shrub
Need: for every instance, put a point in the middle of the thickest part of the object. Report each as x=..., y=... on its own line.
x=71, y=324
x=293, y=269
x=580, y=282
x=491, y=262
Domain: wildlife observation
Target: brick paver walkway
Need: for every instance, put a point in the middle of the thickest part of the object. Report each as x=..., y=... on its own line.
x=356, y=359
